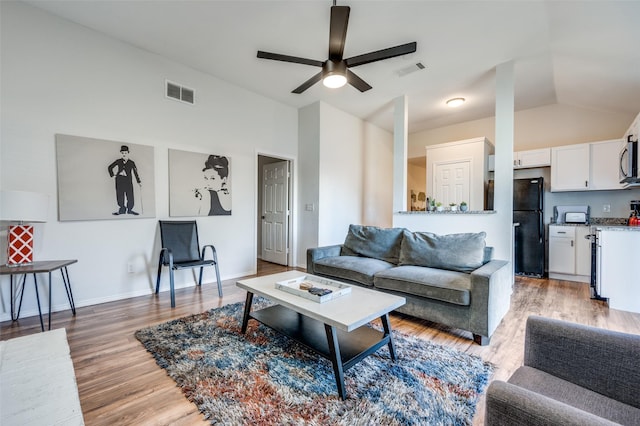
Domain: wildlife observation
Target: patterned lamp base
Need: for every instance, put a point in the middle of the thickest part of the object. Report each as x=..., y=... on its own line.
x=20, y=245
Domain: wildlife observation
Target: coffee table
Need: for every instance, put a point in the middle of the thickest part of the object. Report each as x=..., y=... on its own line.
x=336, y=329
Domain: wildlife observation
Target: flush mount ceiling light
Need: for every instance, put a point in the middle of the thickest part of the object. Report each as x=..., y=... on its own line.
x=455, y=102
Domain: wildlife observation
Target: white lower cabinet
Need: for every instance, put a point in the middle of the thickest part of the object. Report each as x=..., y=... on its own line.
x=569, y=253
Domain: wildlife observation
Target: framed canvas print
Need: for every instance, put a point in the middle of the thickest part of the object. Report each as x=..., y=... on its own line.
x=199, y=184
x=102, y=179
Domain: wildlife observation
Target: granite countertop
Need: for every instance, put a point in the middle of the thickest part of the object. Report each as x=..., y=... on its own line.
x=448, y=212
x=617, y=228
x=618, y=223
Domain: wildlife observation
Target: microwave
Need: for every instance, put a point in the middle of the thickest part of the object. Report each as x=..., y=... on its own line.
x=629, y=163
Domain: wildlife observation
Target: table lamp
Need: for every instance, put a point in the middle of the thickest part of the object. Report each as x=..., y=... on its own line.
x=23, y=207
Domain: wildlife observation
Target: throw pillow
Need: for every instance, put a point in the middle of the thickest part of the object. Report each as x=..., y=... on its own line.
x=454, y=252
x=377, y=243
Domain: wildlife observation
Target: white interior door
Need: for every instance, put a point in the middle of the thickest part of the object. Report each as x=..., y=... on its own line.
x=452, y=182
x=275, y=212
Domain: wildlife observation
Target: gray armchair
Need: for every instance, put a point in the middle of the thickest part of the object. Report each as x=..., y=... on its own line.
x=572, y=375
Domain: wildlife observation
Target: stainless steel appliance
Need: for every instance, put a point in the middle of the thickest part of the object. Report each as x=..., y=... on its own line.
x=529, y=245
x=629, y=163
x=571, y=214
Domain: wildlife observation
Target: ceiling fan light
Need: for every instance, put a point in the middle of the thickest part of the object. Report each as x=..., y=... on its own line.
x=334, y=81
x=455, y=102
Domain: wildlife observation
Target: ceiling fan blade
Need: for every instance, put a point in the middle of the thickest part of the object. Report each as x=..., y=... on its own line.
x=338, y=31
x=379, y=55
x=304, y=86
x=286, y=58
x=357, y=82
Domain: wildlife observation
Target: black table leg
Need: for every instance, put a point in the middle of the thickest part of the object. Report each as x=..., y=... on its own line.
x=12, y=295
x=35, y=284
x=24, y=282
x=336, y=359
x=50, y=292
x=387, y=332
x=67, y=287
x=247, y=311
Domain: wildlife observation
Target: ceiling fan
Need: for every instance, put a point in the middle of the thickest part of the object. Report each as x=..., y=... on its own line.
x=335, y=70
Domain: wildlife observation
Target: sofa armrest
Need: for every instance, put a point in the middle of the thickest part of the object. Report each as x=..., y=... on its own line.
x=315, y=254
x=508, y=404
x=491, y=288
x=603, y=361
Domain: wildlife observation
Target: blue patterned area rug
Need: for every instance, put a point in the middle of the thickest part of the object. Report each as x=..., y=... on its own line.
x=265, y=378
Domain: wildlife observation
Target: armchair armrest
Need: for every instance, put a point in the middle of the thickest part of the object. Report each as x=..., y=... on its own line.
x=603, y=361
x=213, y=252
x=491, y=288
x=508, y=404
x=315, y=254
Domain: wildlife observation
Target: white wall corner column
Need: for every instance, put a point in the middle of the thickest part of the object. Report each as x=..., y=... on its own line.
x=503, y=192
x=400, y=149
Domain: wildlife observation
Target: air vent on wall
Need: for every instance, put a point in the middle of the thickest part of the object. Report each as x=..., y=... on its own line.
x=179, y=93
x=412, y=68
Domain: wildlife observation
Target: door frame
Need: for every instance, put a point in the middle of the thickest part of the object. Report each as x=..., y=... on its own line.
x=258, y=208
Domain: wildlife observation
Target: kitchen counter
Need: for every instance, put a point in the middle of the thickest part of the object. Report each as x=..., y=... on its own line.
x=617, y=228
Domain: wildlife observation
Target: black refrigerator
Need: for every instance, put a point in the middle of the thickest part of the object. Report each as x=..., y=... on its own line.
x=528, y=206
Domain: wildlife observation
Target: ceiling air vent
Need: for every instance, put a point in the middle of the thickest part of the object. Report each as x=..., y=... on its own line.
x=179, y=93
x=412, y=68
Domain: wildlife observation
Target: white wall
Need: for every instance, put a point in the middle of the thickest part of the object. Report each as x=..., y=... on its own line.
x=378, y=177
x=308, y=179
x=341, y=189
x=346, y=173
x=58, y=77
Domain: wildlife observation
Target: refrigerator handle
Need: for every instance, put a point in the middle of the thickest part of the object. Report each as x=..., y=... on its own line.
x=541, y=229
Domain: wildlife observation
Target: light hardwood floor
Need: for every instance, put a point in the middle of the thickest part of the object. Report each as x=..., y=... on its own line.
x=120, y=383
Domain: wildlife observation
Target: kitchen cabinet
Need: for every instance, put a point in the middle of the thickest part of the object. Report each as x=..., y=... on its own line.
x=526, y=159
x=569, y=253
x=603, y=165
x=583, y=251
x=586, y=167
x=532, y=158
x=562, y=252
x=570, y=167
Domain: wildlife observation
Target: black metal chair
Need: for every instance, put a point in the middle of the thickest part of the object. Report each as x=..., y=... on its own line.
x=181, y=250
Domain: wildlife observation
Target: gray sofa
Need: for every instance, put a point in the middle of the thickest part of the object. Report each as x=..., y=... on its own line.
x=572, y=375
x=448, y=279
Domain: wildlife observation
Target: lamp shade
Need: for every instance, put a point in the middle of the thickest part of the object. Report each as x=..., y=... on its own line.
x=22, y=206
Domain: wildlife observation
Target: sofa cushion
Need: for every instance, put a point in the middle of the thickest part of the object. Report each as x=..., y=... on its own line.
x=378, y=243
x=568, y=393
x=438, y=284
x=455, y=252
x=353, y=268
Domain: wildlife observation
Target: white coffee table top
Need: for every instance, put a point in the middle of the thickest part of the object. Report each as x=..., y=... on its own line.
x=346, y=313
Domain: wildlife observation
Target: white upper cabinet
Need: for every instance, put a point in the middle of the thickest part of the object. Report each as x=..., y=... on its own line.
x=586, y=167
x=532, y=158
x=604, y=165
x=570, y=167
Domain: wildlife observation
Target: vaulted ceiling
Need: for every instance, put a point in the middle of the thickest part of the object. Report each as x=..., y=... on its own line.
x=579, y=53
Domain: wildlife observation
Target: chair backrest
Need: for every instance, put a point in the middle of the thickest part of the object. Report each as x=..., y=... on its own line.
x=181, y=237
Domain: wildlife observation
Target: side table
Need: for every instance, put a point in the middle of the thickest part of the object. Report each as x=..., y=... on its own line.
x=45, y=266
